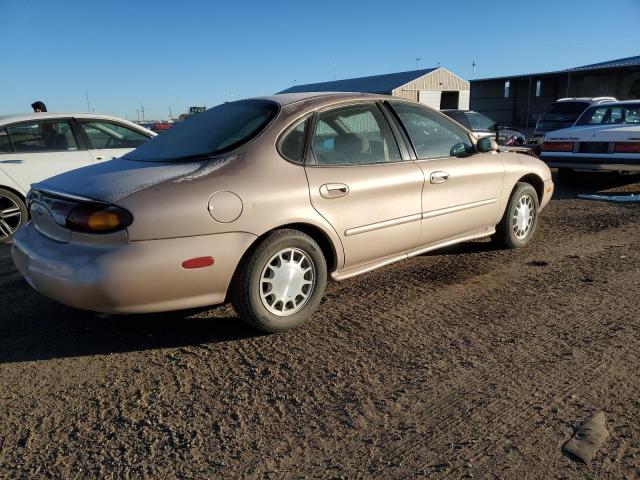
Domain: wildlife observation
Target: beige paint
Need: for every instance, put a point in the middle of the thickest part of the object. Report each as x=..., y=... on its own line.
x=391, y=211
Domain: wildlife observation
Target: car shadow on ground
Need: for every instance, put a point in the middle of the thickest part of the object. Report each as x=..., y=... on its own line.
x=595, y=183
x=40, y=329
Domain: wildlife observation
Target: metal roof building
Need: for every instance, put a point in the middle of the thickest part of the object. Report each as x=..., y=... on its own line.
x=518, y=100
x=436, y=87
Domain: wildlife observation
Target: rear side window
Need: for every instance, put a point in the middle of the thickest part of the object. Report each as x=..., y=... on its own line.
x=5, y=144
x=354, y=135
x=215, y=131
x=292, y=144
x=112, y=135
x=627, y=114
x=46, y=136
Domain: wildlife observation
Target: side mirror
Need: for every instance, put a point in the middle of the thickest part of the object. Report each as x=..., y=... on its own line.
x=486, y=144
x=460, y=150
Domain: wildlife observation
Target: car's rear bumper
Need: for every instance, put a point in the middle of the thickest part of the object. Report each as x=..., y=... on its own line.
x=136, y=277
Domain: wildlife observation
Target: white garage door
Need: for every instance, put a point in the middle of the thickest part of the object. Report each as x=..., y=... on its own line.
x=431, y=98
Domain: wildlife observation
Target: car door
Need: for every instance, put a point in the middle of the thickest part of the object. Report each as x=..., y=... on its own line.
x=108, y=140
x=462, y=188
x=359, y=182
x=41, y=149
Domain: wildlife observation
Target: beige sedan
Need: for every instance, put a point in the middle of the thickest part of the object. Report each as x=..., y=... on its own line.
x=261, y=201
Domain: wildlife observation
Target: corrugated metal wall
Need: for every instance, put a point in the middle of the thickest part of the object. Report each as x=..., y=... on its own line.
x=440, y=79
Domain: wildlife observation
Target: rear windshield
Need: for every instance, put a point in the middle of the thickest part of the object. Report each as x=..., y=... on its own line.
x=627, y=114
x=215, y=131
x=564, y=111
x=479, y=121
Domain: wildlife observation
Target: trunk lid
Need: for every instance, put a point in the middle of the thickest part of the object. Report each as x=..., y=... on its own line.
x=113, y=180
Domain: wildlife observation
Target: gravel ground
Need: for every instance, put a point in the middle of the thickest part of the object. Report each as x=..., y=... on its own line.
x=468, y=362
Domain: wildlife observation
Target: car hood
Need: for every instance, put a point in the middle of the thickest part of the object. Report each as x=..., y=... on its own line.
x=115, y=179
x=597, y=133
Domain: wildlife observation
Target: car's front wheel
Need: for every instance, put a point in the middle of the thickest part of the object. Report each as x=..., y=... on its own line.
x=520, y=218
x=13, y=213
x=280, y=283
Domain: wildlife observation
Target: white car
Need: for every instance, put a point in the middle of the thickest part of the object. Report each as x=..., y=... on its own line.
x=37, y=146
x=604, y=138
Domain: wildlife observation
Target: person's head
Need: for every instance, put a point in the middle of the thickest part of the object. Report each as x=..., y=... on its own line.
x=39, y=106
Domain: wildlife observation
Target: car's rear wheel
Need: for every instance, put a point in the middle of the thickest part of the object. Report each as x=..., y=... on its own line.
x=520, y=218
x=13, y=213
x=280, y=283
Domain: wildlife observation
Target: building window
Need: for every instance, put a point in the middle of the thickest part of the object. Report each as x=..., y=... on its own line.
x=507, y=84
x=538, y=87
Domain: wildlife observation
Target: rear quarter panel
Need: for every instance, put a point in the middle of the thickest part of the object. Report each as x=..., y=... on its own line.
x=273, y=191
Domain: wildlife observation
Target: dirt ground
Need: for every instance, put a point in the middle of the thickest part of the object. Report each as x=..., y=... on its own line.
x=468, y=362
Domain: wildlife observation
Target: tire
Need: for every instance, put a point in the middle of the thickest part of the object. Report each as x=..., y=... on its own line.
x=286, y=307
x=516, y=229
x=13, y=213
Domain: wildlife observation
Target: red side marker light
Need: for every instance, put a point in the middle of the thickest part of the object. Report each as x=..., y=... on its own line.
x=198, y=262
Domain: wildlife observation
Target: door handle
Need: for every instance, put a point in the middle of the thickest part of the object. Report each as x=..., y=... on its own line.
x=12, y=162
x=439, y=177
x=334, y=190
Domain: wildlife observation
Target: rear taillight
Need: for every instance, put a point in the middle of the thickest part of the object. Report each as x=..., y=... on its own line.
x=627, y=147
x=98, y=218
x=557, y=147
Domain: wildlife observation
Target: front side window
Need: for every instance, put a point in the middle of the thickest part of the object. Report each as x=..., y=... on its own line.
x=432, y=135
x=213, y=132
x=112, y=135
x=354, y=135
x=46, y=136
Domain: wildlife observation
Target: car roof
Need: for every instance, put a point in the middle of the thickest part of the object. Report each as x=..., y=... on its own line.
x=591, y=100
x=284, y=99
x=618, y=102
x=23, y=117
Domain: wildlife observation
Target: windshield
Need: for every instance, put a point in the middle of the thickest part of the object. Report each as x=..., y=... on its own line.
x=479, y=121
x=218, y=130
x=626, y=114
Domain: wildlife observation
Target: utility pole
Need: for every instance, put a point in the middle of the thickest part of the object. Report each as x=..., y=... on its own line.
x=138, y=113
x=142, y=109
x=170, y=116
x=418, y=60
x=86, y=93
x=473, y=64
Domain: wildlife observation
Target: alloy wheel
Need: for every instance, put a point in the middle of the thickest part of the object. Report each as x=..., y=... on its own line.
x=10, y=217
x=523, y=217
x=287, y=281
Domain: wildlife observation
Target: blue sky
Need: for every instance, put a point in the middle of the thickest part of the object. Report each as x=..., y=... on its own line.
x=173, y=54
